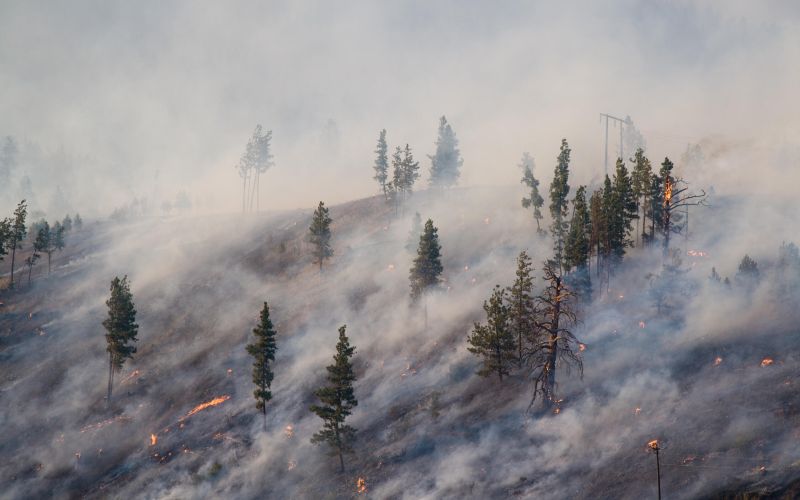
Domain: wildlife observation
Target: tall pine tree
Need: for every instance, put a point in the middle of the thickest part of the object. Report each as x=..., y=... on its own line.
x=381, y=165
x=577, y=247
x=521, y=306
x=263, y=351
x=640, y=182
x=559, y=190
x=17, y=233
x=121, y=328
x=494, y=341
x=446, y=162
x=337, y=400
x=320, y=235
x=534, y=200
x=427, y=268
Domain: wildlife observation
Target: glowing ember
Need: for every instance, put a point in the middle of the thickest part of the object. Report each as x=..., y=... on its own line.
x=557, y=411
x=292, y=464
x=134, y=373
x=653, y=445
x=390, y=267
x=486, y=220
x=697, y=253
x=289, y=431
x=230, y=371
x=581, y=347
x=100, y=425
x=717, y=361
x=208, y=404
x=621, y=296
x=642, y=324
x=766, y=361
x=361, y=485
x=667, y=191
x=153, y=439
x=466, y=268
x=637, y=411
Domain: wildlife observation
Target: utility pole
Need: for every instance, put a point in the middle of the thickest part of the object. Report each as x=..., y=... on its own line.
x=621, y=152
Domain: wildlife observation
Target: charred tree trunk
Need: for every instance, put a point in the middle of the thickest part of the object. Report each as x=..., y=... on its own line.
x=110, y=377
x=339, y=448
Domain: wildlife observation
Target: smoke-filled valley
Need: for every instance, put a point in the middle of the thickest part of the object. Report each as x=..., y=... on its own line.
x=191, y=307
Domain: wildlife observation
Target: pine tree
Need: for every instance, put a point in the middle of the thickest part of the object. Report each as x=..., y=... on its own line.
x=44, y=242
x=256, y=159
x=320, y=236
x=748, y=273
x=577, y=247
x=337, y=401
x=121, y=328
x=559, y=190
x=410, y=170
x=398, y=181
x=521, y=306
x=17, y=233
x=57, y=237
x=640, y=183
x=654, y=209
x=427, y=268
x=67, y=223
x=555, y=344
x=5, y=236
x=534, y=200
x=446, y=162
x=78, y=222
x=621, y=212
x=494, y=341
x=263, y=352
x=599, y=226
x=381, y=165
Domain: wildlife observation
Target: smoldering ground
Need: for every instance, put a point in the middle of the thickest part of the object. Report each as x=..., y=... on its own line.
x=429, y=427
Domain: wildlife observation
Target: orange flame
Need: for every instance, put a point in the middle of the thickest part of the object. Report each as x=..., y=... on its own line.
x=153, y=439
x=667, y=191
x=214, y=402
x=637, y=410
x=766, y=361
x=581, y=347
x=289, y=431
x=134, y=373
x=653, y=445
x=361, y=485
x=717, y=361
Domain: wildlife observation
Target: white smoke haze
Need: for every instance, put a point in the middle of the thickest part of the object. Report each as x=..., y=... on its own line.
x=127, y=105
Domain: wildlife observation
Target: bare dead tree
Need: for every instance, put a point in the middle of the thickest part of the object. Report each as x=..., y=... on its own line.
x=554, y=344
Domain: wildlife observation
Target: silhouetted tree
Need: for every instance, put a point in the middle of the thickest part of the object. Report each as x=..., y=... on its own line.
x=521, y=306
x=748, y=271
x=17, y=233
x=320, y=236
x=427, y=268
x=256, y=160
x=44, y=242
x=5, y=236
x=78, y=222
x=263, y=351
x=494, y=341
x=381, y=165
x=337, y=400
x=534, y=199
x=577, y=247
x=640, y=183
x=67, y=223
x=446, y=162
x=121, y=328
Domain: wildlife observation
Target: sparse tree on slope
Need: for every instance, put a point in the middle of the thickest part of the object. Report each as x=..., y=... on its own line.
x=748, y=273
x=78, y=222
x=427, y=268
x=556, y=345
x=67, y=223
x=559, y=190
x=57, y=237
x=446, y=162
x=521, y=306
x=381, y=166
x=5, y=236
x=337, y=401
x=534, y=200
x=263, y=351
x=494, y=341
x=44, y=242
x=17, y=233
x=121, y=328
x=320, y=236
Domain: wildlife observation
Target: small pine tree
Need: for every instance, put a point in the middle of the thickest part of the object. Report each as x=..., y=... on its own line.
x=446, y=162
x=58, y=236
x=67, y=223
x=534, y=200
x=494, y=341
x=320, y=235
x=748, y=271
x=381, y=165
x=427, y=269
x=559, y=190
x=521, y=306
x=78, y=222
x=17, y=233
x=44, y=242
x=337, y=401
x=410, y=170
x=121, y=328
x=398, y=178
x=263, y=352
x=5, y=236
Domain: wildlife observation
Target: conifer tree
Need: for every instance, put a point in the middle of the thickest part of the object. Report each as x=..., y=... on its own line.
x=427, y=268
x=337, y=400
x=5, y=236
x=577, y=247
x=446, y=162
x=67, y=223
x=381, y=165
x=263, y=351
x=398, y=177
x=674, y=196
x=78, y=222
x=598, y=223
x=320, y=235
x=17, y=233
x=640, y=183
x=654, y=209
x=521, y=306
x=44, y=242
x=57, y=237
x=555, y=344
x=559, y=190
x=534, y=200
x=494, y=341
x=410, y=170
x=621, y=212
x=748, y=273
x=256, y=159
x=121, y=328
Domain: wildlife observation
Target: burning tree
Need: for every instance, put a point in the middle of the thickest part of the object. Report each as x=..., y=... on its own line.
x=320, y=236
x=554, y=344
x=263, y=352
x=674, y=196
x=121, y=328
x=534, y=200
x=494, y=341
x=337, y=401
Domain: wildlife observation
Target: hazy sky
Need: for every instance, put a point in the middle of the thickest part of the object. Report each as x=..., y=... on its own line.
x=177, y=87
